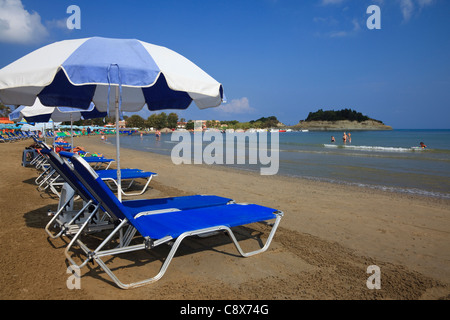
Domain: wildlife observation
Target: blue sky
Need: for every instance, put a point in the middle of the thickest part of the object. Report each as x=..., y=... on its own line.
x=274, y=57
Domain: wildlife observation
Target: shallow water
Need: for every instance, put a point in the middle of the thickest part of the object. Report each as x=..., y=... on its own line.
x=388, y=160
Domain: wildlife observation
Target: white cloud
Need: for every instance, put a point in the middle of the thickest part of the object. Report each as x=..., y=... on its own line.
x=17, y=25
x=327, y=2
x=408, y=7
x=423, y=3
x=57, y=24
x=241, y=105
x=350, y=29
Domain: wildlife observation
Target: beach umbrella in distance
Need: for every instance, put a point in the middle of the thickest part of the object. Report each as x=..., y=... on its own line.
x=126, y=73
x=40, y=113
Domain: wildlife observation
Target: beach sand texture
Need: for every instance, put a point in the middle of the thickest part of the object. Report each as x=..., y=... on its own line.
x=329, y=236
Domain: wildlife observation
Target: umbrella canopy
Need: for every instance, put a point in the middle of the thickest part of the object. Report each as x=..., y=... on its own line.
x=40, y=113
x=77, y=72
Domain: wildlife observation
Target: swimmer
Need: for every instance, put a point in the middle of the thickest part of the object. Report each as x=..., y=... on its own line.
x=422, y=145
x=333, y=139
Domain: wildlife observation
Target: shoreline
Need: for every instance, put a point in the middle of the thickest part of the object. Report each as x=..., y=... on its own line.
x=328, y=237
x=401, y=190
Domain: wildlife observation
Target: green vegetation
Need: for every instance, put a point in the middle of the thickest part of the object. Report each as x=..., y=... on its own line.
x=331, y=115
x=261, y=123
x=163, y=120
x=158, y=121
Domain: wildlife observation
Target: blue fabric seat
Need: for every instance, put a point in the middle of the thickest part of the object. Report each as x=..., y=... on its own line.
x=111, y=174
x=125, y=174
x=91, y=159
x=163, y=223
x=173, y=224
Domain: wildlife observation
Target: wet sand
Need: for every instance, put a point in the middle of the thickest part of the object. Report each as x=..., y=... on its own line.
x=329, y=236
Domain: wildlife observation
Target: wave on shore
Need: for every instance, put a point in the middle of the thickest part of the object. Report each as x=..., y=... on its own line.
x=376, y=148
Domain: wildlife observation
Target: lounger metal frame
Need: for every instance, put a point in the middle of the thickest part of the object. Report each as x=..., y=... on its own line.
x=98, y=253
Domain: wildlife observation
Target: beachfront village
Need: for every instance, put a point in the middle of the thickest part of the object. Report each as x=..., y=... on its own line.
x=168, y=123
x=345, y=119
x=171, y=122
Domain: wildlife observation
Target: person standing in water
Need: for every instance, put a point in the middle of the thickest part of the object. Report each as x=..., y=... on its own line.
x=344, y=138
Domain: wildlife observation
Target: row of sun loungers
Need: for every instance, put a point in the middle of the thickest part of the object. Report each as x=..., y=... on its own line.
x=16, y=136
x=134, y=225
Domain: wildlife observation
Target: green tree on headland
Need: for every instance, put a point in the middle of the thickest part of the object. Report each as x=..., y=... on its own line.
x=264, y=122
x=332, y=115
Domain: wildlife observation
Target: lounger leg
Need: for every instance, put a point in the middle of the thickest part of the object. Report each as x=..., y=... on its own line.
x=43, y=174
x=137, y=193
x=107, y=181
x=268, y=241
x=44, y=181
x=98, y=254
x=55, y=216
x=64, y=227
x=75, y=239
x=161, y=272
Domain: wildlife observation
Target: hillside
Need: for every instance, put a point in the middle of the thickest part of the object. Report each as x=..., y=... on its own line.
x=341, y=125
x=345, y=119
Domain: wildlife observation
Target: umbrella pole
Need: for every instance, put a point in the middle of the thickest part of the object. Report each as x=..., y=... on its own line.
x=119, y=177
x=71, y=133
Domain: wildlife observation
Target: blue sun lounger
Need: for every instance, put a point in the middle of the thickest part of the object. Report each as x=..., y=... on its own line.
x=98, y=161
x=67, y=222
x=50, y=179
x=110, y=175
x=165, y=226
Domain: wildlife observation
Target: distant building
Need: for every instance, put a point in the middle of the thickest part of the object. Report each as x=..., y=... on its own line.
x=122, y=124
x=181, y=124
x=199, y=125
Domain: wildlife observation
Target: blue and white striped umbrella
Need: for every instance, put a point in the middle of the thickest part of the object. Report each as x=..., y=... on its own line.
x=41, y=113
x=77, y=72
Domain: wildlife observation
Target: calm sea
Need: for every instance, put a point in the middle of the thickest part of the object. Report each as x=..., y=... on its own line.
x=386, y=160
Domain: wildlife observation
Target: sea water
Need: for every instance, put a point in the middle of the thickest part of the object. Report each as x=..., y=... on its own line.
x=386, y=160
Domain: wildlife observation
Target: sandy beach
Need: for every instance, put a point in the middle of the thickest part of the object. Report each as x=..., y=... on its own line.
x=329, y=236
